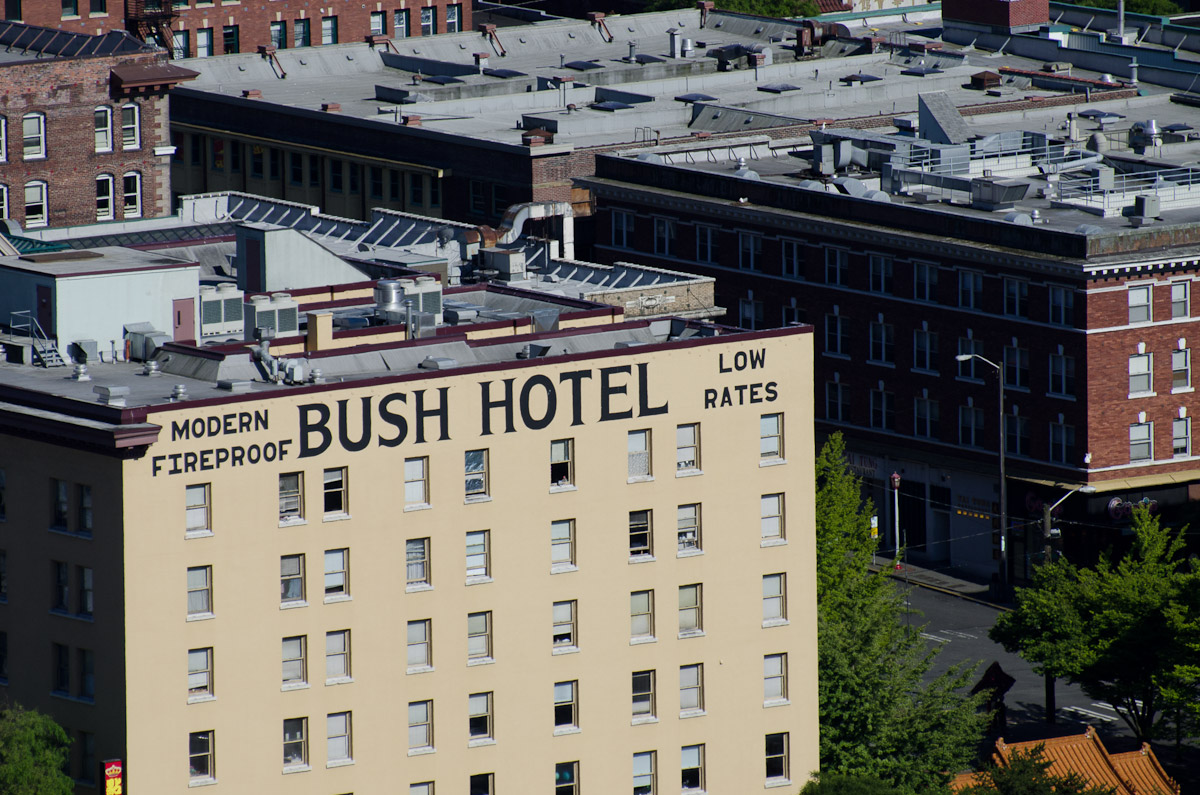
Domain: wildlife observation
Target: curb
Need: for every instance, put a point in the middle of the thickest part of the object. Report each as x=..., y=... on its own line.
x=948, y=592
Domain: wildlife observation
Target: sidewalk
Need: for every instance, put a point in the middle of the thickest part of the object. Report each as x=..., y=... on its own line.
x=949, y=581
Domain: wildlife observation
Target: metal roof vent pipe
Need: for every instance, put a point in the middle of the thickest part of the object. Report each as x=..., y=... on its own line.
x=562, y=60
x=632, y=51
x=150, y=368
x=408, y=319
x=179, y=393
x=741, y=163
x=675, y=46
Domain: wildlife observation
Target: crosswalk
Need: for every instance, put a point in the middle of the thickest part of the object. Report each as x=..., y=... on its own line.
x=1100, y=712
x=947, y=635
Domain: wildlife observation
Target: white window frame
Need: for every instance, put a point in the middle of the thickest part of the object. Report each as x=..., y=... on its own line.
x=687, y=447
x=475, y=474
x=105, y=198
x=294, y=661
x=200, y=674
x=882, y=348
x=479, y=636
x=416, y=482
x=784, y=757
x=291, y=499
x=837, y=264
x=691, y=689
x=836, y=335
x=337, y=574
x=645, y=767
x=770, y=437
x=1141, y=374
x=202, y=756
x=289, y=574
x=479, y=717
x=420, y=725
x=774, y=599
x=479, y=556
x=339, y=737
x=622, y=229
x=641, y=523
x=416, y=563
x=691, y=610
x=33, y=136
x=1181, y=369
x=664, y=236
x=639, y=453
x=197, y=509
x=1062, y=305
x=103, y=128
x=642, y=693
x=202, y=583
x=337, y=656
x=4, y=142
x=691, y=760
x=775, y=675
x=970, y=289
x=1062, y=442
x=131, y=195
x=688, y=538
x=641, y=615
x=925, y=279
x=706, y=243
x=791, y=253
x=565, y=632
x=1141, y=303
x=1016, y=297
x=562, y=545
x=881, y=274
x=1181, y=299
x=131, y=126
x=1062, y=375
x=42, y=200
x=419, y=642
x=1141, y=440
x=926, y=417
x=566, y=706
x=771, y=507
x=750, y=246
x=1181, y=437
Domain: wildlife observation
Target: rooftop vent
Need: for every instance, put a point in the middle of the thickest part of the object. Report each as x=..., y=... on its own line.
x=611, y=106
x=437, y=363
x=778, y=88
x=695, y=97
x=583, y=66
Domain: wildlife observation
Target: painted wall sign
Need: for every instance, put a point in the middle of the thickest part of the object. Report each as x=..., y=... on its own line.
x=114, y=777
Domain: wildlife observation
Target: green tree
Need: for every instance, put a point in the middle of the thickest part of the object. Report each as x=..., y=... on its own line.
x=1028, y=773
x=834, y=784
x=780, y=9
x=879, y=716
x=1125, y=631
x=33, y=753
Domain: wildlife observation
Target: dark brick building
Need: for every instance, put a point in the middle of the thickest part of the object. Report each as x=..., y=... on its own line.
x=84, y=127
x=201, y=28
x=1089, y=318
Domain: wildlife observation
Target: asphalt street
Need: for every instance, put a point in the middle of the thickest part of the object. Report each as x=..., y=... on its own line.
x=958, y=628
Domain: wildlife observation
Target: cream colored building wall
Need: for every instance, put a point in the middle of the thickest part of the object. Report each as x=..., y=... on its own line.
x=248, y=624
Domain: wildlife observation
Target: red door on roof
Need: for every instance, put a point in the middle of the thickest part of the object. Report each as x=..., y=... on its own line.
x=183, y=310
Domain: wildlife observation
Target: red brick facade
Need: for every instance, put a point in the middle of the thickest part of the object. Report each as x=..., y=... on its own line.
x=998, y=13
x=206, y=28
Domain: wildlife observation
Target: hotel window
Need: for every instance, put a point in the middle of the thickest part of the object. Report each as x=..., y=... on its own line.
x=60, y=594
x=428, y=21
x=688, y=518
x=329, y=30
x=664, y=236
x=454, y=18
x=422, y=788
x=792, y=255
x=337, y=573
x=131, y=135
x=970, y=426
x=1181, y=436
x=204, y=43
x=566, y=778
x=416, y=481
x=201, y=755
x=301, y=33
x=1062, y=305
x=336, y=176
x=566, y=705
x=641, y=614
x=1016, y=434
x=687, y=447
x=180, y=43
x=691, y=765
x=562, y=462
x=230, y=39
x=198, y=511
x=279, y=35
x=295, y=742
x=1181, y=369
x=295, y=660
x=641, y=536
x=420, y=724
x=131, y=191
x=882, y=343
x=291, y=496
x=33, y=136
x=481, y=784
x=1141, y=441
x=638, y=447
x=777, y=757
x=83, y=507
x=59, y=504
x=338, y=747
x=880, y=270
x=622, y=229
x=295, y=168
x=691, y=619
x=968, y=346
x=70, y=8
x=770, y=433
x=750, y=313
x=291, y=579
x=378, y=22
x=416, y=560
x=479, y=716
x=883, y=410
x=925, y=279
x=1062, y=374
x=337, y=655
x=200, y=673
x=837, y=266
x=478, y=555
x=774, y=598
x=926, y=418
x=86, y=591
x=706, y=244
x=562, y=544
x=644, y=765
x=416, y=189
x=62, y=669
x=771, y=511
x=199, y=591
x=479, y=636
x=475, y=471
x=1062, y=443
x=420, y=650
x=35, y=204
x=925, y=350
x=775, y=677
x=837, y=335
x=1180, y=306
x=643, y=695
x=1139, y=304
x=1141, y=373
x=970, y=290
x=749, y=251
x=375, y=182
x=87, y=674
x=1016, y=367
x=1016, y=297
x=564, y=632
x=103, y=128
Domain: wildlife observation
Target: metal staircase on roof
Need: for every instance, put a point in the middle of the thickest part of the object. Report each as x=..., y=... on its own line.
x=45, y=352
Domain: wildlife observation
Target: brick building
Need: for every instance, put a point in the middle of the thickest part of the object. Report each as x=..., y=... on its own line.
x=904, y=255
x=84, y=135
x=203, y=28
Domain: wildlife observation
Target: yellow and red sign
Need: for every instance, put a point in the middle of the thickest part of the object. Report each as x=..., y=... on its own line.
x=114, y=777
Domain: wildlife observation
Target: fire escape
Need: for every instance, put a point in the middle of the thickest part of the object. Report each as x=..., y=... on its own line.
x=150, y=21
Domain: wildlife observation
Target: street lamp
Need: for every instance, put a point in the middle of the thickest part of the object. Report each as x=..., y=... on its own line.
x=1047, y=509
x=966, y=357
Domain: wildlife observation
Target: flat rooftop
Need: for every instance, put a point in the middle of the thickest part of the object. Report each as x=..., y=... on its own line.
x=92, y=262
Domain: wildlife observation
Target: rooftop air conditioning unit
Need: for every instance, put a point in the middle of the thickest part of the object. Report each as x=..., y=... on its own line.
x=221, y=310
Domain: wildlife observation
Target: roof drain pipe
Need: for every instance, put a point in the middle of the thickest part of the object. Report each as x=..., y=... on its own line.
x=408, y=319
